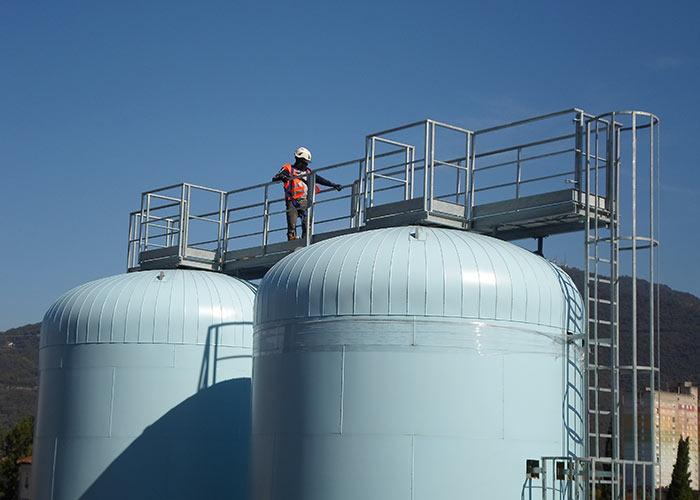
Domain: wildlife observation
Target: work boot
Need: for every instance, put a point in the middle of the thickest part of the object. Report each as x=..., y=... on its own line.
x=291, y=236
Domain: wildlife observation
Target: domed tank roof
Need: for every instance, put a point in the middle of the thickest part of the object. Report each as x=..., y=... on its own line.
x=171, y=306
x=419, y=271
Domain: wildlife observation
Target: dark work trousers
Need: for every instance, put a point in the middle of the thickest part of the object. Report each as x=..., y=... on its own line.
x=296, y=209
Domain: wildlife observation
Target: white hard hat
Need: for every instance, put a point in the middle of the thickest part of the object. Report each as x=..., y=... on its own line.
x=303, y=153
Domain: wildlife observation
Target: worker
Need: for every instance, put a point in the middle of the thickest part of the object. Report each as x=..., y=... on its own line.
x=296, y=187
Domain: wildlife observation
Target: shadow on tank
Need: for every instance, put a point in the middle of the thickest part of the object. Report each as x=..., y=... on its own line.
x=199, y=449
x=212, y=361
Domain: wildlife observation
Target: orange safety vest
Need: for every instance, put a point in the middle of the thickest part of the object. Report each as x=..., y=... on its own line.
x=296, y=188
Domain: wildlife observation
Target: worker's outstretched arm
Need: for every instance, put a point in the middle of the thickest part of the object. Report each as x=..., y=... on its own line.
x=325, y=182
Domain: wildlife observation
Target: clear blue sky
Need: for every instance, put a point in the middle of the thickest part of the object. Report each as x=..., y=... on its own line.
x=101, y=100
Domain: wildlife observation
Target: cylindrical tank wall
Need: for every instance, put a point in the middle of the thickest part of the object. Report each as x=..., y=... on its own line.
x=145, y=389
x=412, y=363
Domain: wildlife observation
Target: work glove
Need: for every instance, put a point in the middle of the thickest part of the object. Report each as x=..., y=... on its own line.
x=337, y=187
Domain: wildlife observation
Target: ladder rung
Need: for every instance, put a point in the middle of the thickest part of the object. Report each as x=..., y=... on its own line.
x=606, y=390
x=600, y=321
x=605, y=281
x=638, y=247
x=600, y=412
x=600, y=435
x=604, y=343
x=600, y=301
x=599, y=259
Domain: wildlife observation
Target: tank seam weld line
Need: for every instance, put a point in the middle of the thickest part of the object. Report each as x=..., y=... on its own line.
x=411, y=435
x=342, y=389
x=413, y=465
x=174, y=344
x=53, y=466
x=392, y=317
x=503, y=396
x=111, y=400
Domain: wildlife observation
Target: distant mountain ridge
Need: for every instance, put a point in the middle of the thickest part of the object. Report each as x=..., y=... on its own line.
x=679, y=316
x=19, y=373
x=680, y=347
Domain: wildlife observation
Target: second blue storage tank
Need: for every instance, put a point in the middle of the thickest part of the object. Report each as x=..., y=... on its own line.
x=412, y=363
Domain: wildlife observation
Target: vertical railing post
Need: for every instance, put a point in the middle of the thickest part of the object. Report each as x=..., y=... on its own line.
x=406, y=174
x=413, y=170
x=615, y=290
x=311, y=209
x=467, y=173
x=469, y=182
x=355, y=204
x=184, y=216
x=610, y=163
x=518, y=176
x=372, y=167
x=586, y=298
x=168, y=229
x=266, y=216
x=432, y=165
x=362, y=194
x=458, y=180
x=652, y=310
x=635, y=417
x=133, y=218
x=426, y=164
x=225, y=236
x=147, y=221
x=220, y=233
x=578, y=160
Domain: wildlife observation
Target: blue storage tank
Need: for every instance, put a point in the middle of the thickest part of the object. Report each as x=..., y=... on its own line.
x=145, y=389
x=412, y=363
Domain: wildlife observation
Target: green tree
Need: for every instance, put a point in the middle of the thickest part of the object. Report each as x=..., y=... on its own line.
x=15, y=444
x=679, y=489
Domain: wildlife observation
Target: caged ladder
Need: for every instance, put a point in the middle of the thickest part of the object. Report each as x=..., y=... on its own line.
x=622, y=364
x=618, y=160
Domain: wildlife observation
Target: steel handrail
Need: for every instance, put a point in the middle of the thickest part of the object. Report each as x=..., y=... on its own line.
x=440, y=163
x=316, y=170
x=252, y=205
x=166, y=228
x=402, y=164
x=526, y=145
x=525, y=159
x=176, y=202
x=165, y=188
x=205, y=242
x=525, y=181
x=532, y=119
x=454, y=128
x=196, y=217
x=332, y=219
x=150, y=219
x=389, y=178
x=181, y=185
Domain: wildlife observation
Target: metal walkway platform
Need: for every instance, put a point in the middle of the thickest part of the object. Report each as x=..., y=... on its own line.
x=524, y=181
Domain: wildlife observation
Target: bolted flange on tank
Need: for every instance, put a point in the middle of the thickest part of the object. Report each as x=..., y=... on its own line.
x=412, y=362
x=145, y=389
